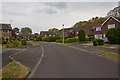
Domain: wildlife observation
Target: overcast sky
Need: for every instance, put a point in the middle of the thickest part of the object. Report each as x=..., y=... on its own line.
x=41, y=16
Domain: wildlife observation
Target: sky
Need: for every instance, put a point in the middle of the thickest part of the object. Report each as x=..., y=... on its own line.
x=40, y=16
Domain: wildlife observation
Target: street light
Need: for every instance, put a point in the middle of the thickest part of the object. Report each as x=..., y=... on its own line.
x=63, y=32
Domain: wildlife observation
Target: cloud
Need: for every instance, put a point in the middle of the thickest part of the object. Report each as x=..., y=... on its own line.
x=57, y=5
x=45, y=15
x=46, y=11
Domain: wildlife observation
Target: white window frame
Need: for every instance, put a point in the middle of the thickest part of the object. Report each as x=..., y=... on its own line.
x=98, y=29
x=111, y=26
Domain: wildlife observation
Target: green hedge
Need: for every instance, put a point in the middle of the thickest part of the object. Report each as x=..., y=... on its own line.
x=69, y=40
x=12, y=44
x=23, y=41
x=98, y=42
x=113, y=35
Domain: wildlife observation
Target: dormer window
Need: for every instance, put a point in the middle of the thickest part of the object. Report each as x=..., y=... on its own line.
x=98, y=29
x=111, y=26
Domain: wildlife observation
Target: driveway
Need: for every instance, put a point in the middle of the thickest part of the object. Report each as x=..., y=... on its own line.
x=64, y=62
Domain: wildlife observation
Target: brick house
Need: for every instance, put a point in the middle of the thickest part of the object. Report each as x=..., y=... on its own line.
x=88, y=30
x=100, y=30
x=68, y=32
x=5, y=31
x=48, y=33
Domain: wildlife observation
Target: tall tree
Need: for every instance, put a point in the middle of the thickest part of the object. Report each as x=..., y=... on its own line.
x=26, y=30
x=16, y=30
x=81, y=35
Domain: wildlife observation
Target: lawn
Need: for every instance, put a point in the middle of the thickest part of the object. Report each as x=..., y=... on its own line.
x=14, y=70
x=109, y=45
x=108, y=54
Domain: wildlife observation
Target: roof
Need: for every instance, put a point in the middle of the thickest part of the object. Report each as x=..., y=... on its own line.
x=115, y=18
x=67, y=29
x=5, y=27
x=48, y=32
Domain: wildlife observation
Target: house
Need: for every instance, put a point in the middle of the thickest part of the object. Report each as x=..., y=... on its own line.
x=101, y=29
x=88, y=30
x=28, y=36
x=68, y=32
x=48, y=33
x=5, y=31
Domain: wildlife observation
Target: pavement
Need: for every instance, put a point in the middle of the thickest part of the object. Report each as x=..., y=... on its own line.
x=91, y=48
x=6, y=52
x=64, y=62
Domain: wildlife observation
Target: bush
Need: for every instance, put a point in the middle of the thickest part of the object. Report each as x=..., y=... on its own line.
x=44, y=38
x=113, y=35
x=81, y=35
x=12, y=44
x=59, y=40
x=15, y=43
x=38, y=38
x=87, y=39
x=23, y=41
x=71, y=40
x=51, y=39
x=98, y=42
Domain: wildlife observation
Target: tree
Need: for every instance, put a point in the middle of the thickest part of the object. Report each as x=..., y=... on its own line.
x=26, y=30
x=81, y=35
x=57, y=36
x=54, y=29
x=113, y=35
x=35, y=35
x=16, y=30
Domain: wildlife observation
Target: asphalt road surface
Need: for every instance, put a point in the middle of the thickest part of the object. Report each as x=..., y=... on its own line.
x=64, y=62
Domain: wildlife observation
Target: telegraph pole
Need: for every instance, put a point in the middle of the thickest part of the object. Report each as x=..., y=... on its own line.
x=63, y=33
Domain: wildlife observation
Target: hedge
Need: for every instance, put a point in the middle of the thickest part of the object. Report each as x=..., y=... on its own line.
x=23, y=41
x=98, y=42
x=113, y=35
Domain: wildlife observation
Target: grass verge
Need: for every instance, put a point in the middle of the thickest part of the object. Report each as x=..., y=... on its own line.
x=108, y=54
x=108, y=45
x=35, y=44
x=14, y=70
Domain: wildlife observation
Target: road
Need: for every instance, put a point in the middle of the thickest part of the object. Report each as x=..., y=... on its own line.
x=64, y=62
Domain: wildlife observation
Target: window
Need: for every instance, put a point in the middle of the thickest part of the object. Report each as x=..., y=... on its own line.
x=111, y=26
x=98, y=29
x=77, y=32
x=53, y=34
x=50, y=35
x=5, y=31
x=99, y=36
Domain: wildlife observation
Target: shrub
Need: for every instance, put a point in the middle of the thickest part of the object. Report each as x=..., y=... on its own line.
x=81, y=35
x=44, y=38
x=113, y=35
x=51, y=39
x=38, y=38
x=71, y=40
x=95, y=43
x=15, y=43
x=23, y=41
x=98, y=42
x=87, y=39
x=59, y=40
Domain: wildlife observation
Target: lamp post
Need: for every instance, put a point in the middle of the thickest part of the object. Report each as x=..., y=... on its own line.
x=63, y=32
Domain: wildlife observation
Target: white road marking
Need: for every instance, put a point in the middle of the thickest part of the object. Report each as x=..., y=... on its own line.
x=37, y=65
